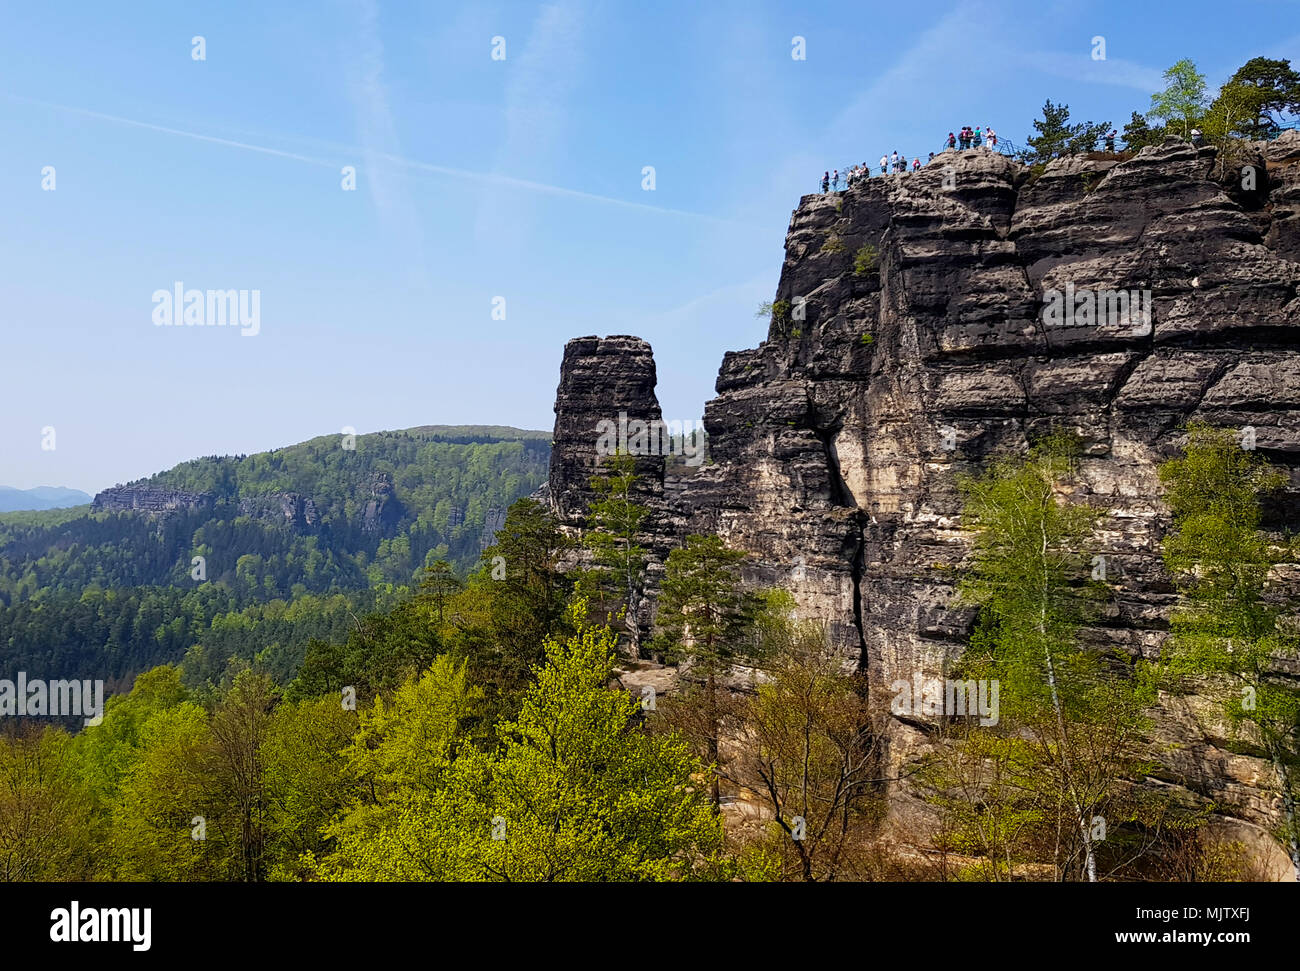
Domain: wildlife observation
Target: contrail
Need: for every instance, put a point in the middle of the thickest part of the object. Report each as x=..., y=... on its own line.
x=172, y=131
x=397, y=160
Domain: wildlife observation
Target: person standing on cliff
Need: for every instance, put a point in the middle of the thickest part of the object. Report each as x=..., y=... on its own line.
x=952, y=141
x=884, y=165
x=1110, y=141
x=992, y=136
x=893, y=160
x=916, y=164
x=978, y=140
x=826, y=182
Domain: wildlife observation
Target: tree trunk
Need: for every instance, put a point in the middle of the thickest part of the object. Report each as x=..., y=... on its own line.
x=713, y=736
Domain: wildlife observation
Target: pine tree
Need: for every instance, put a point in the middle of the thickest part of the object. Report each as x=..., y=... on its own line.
x=615, y=520
x=1057, y=137
x=707, y=620
x=1254, y=100
x=1138, y=134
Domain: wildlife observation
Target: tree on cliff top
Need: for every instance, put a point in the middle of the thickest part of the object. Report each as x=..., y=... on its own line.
x=1057, y=137
x=1138, y=134
x=1181, y=105
x=1253, y=101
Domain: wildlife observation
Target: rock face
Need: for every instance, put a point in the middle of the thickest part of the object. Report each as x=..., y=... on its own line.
x=603, y=382
x=907, y=346
x=288, y=507
x=383, y=510
x=148, y=499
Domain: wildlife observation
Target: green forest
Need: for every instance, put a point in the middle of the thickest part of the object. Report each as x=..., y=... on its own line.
x=475, y=728
x=110, y=594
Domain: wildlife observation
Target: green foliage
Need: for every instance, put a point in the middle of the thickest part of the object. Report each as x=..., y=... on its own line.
x=113, y=634
x=615, y=519
x=1057, y=137
x=709, y=621
x=514, y=603
x=151, y=819
x=778, y=313
x=576, y=793
x=446, y=484
x=1228, y=627
x=865, y=260
x=833, y=244
x=308, y=784
x=1138, y=134
x=1081, y=708
x=1181, y=104
x=1254, y=101
x=705, y=616
x=47, y=831
x=811, y=754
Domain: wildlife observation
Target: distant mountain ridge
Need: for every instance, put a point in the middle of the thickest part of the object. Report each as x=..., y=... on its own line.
x=252, y=555
x=41, y=497
x=332, y=514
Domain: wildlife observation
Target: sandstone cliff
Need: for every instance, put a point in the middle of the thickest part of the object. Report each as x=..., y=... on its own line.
x=148, y=499
x=906, y=347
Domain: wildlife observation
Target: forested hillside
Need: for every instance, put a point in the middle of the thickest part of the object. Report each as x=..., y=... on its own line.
x=331, y=525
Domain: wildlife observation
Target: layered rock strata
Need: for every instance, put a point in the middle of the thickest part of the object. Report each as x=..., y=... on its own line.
x=908, y=344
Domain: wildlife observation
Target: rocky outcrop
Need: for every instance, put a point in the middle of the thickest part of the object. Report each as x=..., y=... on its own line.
x=493, y=520
x=149, y=499
x=908, y=344
x=289, y=508
x=605, y=385
x=383, y=510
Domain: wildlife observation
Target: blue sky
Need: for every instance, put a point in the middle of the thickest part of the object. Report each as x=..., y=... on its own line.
x=476, y=178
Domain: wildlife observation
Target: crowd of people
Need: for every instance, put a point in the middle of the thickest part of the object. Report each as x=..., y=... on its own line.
x=969, y=137
x=895, y=164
